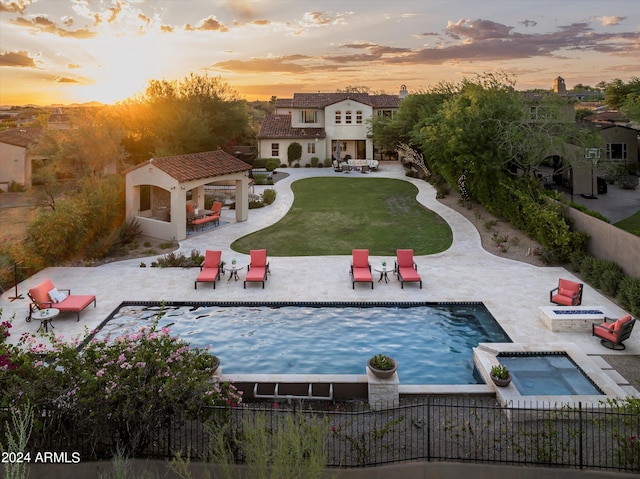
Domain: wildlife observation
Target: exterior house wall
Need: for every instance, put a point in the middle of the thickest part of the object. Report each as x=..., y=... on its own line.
x=349, y=132
x=618, y=134
x=322, y=150
x=14, y=166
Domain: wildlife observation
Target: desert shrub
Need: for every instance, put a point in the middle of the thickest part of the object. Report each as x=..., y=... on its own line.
x=177, y=259
x=269, y=196
x=260, y=178
x=327, y=162
x=628, y=182
x=15, y=187
x=314, y=161
x=259, y=162
x=294, y=153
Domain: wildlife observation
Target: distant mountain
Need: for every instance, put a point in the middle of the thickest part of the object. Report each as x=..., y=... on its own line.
x=92, y=104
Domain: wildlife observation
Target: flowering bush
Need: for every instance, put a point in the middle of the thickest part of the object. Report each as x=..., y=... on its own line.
x=118, y=390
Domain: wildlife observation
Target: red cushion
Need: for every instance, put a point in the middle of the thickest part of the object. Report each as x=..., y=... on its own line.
x=212, y=258
x=40, y=293
x=362, y=274
x=75, y=303
x=256, y=273
x=560, y=299
x=208, y=274
x=617, y=326
x=360, y=258
x=605, y=334
x=405, y=258
x=258, y=258
x=570, y=287
x=409, y=274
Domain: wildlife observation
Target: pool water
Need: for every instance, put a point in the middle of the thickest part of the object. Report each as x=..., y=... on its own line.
x=547, y=375
x=432, y=343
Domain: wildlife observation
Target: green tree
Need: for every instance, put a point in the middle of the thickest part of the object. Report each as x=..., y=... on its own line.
x=617, y=92
x=91, y=146
x=196, y=114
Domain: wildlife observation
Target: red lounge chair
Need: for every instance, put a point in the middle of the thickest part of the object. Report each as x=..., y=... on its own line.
x=210, y=268
x=360, y=267
x=612, y=334
x=406, y=267
x=258, y=267
x=567, y=293
x=70, y=304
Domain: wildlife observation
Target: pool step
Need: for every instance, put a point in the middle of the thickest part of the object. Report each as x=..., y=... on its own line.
x=294, y=391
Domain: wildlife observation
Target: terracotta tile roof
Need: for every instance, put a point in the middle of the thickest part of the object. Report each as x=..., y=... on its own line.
x=20, y=136
x=321, y=100
x=198, y=165
x=279, y=126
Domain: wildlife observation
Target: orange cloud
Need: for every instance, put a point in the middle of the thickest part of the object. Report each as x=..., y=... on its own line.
x=43, y=24
x=17, y=59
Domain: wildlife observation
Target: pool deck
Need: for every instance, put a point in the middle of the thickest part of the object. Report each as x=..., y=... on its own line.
x=513, y=291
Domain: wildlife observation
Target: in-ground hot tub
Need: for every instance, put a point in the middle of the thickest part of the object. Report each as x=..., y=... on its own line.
x=559, y=391
x=547, y=374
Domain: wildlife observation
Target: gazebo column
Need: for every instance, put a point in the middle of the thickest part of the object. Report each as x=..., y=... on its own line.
x=179, y=211
x=242, y=199
x=198, y=196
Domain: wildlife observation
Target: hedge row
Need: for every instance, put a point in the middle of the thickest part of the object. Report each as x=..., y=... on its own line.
x=609, y=278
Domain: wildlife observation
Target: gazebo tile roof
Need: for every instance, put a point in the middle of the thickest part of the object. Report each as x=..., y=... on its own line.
x=196, y=166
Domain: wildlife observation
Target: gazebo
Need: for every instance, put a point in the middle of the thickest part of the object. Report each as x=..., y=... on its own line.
x=157, y=191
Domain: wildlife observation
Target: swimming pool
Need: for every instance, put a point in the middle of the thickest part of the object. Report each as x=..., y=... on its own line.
x=431, y=342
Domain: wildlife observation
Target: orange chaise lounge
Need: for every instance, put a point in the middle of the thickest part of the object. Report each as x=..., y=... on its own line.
x=406, y=267
x=258, y=267
x=210, y=268
x=360, y=267
x=46, y=295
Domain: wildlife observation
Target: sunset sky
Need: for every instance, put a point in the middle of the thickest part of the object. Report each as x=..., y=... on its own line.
x=68, y=51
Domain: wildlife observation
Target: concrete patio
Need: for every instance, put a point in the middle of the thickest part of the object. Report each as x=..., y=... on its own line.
x=513, y=291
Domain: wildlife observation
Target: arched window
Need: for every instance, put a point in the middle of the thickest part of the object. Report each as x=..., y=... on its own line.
x=338, y=117
x=359, y=117
x=347, y=117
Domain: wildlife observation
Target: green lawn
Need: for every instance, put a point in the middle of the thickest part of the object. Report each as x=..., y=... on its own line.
x=332, y=216
x=631, y=224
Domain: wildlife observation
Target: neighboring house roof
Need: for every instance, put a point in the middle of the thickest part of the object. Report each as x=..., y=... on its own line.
x=607, y=116
x=58, y=118
x=322, y=100
x=279, y=126
x=196, y=166
x=22, y=137
x=607, y=127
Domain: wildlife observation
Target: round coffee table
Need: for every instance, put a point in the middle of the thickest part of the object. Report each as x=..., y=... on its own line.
x=233, y=269
x=383, y=270
x=45, y=316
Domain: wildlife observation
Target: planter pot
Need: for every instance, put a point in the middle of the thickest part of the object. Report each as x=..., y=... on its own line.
x=501, y=382
x=383, y=373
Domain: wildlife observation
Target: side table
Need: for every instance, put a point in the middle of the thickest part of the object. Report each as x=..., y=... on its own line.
x=384, y=271
x=233, y=270
x=45, y=316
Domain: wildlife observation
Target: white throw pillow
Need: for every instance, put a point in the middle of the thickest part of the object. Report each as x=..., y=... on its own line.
x=57, y=296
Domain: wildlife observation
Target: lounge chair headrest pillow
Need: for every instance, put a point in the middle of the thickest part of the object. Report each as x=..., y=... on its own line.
x=57, y=296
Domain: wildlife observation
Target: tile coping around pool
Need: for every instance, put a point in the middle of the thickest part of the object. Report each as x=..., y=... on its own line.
x=486, y=355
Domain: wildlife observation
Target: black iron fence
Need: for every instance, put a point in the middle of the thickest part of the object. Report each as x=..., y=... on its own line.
x=433, y=429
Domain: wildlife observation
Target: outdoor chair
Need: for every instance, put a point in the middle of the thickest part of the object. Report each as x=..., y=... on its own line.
x=406, y=267
x=360, y=268
x=567, y=293
x=258, y=267
x=46, y=295
x=613, y=334
x=210, y=268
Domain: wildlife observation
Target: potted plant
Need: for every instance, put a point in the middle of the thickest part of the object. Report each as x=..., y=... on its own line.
x=382, y=366
x=500, y=375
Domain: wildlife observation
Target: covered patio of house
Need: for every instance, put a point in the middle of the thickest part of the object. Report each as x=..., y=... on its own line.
x=157, y=191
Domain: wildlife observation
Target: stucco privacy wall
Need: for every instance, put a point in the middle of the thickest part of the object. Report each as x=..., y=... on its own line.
x=609, y=242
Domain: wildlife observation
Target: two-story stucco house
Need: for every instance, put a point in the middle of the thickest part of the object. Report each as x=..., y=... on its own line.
x=326, y=125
